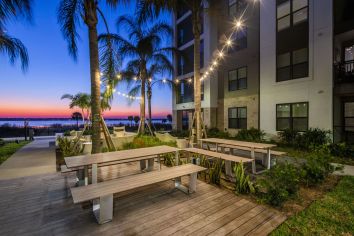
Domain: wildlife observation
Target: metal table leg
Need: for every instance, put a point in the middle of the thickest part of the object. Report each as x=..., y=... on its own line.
x=254, y=161
x=268, y=158
x=94, y=174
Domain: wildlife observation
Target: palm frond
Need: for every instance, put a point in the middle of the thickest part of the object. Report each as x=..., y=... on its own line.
x=15, y=9
x=15, y=49
x=69, y=12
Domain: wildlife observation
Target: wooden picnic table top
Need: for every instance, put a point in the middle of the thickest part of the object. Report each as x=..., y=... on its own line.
x=99, y=158
x=238, y=143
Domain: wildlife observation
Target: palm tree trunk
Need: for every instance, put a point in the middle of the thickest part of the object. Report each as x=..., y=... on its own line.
x=149, y=95
x=197, y=87
x=142, y=106
x=91, y=22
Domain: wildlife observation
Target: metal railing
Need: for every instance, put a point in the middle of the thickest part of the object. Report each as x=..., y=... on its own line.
x=344, y=71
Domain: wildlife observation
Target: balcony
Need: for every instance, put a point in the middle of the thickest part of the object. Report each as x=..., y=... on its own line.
x=344, y=72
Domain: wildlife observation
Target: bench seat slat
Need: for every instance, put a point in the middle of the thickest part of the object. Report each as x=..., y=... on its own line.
x=272, y=152
x=94, y=191
x=223, y=156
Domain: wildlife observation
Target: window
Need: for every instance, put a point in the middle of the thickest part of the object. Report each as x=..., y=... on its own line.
x=240, y=39
x=291, y=13
x=292, y=116
x=238, y=118
x=292, y=65
x=236, y=7
x=238, y=79
x=349, y=116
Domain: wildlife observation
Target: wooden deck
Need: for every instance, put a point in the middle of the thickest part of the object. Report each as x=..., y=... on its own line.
x=42, y=205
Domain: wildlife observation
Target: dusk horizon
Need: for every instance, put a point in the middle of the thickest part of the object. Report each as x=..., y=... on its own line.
x=37, y=92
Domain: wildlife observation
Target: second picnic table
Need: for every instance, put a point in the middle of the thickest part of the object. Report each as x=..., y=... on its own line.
x=237, y=143
x=111, y=158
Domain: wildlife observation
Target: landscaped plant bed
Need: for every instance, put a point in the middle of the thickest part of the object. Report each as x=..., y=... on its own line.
x=331, y=214
x=307, y=195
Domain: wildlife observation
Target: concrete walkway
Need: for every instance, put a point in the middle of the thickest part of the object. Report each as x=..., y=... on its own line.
x=347, y=170
x=33, y=159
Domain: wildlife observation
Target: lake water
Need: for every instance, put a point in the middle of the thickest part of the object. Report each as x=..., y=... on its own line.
x=63, y=122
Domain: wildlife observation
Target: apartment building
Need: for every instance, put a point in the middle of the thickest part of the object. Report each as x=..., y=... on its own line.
x=291, y=67
x=230, y=96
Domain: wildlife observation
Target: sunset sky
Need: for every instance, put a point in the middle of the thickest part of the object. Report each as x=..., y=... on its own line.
x=52, y=72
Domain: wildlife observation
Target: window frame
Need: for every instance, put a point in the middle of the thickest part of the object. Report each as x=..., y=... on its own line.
x=238, y=119
x=291, y=117
x=291, y=15
x=237, y=79
x=239, y=4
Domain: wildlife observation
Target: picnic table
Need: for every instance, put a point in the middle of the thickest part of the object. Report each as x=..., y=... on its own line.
x=112, y=158
x=252, y=146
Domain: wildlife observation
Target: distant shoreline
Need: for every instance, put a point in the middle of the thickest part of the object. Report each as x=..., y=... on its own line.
x=43, y=119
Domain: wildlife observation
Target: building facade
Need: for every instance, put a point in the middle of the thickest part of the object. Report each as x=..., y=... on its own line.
x=291, y=67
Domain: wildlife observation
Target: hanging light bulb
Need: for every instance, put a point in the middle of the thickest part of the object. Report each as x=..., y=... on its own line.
x=135, y=78
x=238, y=24
x=228, y=42
x=221, y=54
x=119, y=76
x=164, y=80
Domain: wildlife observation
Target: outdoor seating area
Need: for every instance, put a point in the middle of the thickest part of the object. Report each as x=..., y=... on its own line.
x=190, y=117
x=101, y=193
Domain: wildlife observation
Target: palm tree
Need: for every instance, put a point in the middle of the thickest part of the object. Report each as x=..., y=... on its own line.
x=70, y=13
x=81, y=101
x=147, y=57
x=152, y=8
x=169, y=117
x=130, y=118
x=136, y=119
x=77, y=116
x=13, y=10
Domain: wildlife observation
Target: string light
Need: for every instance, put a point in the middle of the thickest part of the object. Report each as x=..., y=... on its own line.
x=135, y=78
x=119, y=76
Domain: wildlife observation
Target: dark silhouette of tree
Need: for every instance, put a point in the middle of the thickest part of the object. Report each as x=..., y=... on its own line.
x=76, y=116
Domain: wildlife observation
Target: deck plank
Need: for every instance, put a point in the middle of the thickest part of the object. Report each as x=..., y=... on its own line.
x=42, y=205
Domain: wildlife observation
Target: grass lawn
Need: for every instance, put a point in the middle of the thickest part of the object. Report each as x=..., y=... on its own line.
x=331, y=215
x=10, y=148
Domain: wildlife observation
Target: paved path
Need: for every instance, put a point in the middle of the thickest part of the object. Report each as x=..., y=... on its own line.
x=33, y=159
x=347, y=170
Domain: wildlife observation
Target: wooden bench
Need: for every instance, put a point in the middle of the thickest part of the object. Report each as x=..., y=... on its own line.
x=228, y=158
x=102, y=193
x=272, y=152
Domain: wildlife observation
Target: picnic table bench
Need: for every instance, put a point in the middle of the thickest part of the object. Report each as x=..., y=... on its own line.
x=251, y=145
x=272, y=152
x=226, y=157
x=102, y=193
x=84, y=162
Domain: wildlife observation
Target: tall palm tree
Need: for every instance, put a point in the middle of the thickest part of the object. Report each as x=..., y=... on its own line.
x=147, y=56
x=13, y=47
x=70, y=15
x=152, y=8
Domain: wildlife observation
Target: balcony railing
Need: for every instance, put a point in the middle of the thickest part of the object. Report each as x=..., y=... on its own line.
x=344, y=72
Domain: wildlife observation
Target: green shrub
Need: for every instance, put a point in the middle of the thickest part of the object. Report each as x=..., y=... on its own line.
x=180, y=133
x=66, y=133
x=280, y=183
x=169, y=160
x=215, y=171
x=308, y=140
x=243, y=184
x=2, y=142
x=146, y=141
x=317, y=167
x=252, y=135
x=68, y=147
x=342, y=150
x=216, y=133
x=313, y=138
x=288, y=137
